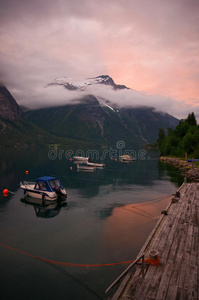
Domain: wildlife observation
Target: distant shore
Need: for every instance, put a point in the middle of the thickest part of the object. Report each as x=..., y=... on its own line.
x=188, y=169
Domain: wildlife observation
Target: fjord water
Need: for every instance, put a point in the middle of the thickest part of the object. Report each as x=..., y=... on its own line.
x=106, y=219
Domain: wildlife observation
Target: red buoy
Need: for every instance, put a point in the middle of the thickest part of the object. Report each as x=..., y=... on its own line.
x=27, y=172
x=5, y=192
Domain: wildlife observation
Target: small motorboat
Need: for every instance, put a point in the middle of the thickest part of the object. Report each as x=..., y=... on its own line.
x=85, y=167
x=126, y=158
x=91, y=164
x=45, y=188
x=80, y=159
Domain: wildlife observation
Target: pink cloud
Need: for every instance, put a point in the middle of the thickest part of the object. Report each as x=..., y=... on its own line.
x=152, y=48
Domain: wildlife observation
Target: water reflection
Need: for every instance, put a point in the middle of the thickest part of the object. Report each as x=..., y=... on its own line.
x=44, y=209
x=14, y=163
x=171, y=172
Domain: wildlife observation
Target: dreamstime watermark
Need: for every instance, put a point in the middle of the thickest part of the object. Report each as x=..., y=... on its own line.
x=93, y=154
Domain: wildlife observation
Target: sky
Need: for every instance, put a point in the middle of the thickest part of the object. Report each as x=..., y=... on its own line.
x=151, y=46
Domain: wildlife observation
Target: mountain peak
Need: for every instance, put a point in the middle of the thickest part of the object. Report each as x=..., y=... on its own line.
x=72, y=84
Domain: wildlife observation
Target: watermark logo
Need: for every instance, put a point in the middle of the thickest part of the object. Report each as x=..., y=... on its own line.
x=113, y=153
x=120, y=145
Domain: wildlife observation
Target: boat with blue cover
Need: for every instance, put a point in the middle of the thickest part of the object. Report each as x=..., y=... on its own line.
x=193, y=160
x=45, y=188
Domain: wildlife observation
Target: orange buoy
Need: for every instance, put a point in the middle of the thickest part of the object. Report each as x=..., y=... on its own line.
x=27, y=172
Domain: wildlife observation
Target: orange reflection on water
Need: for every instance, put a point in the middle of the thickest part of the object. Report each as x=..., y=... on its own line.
x=130, y=225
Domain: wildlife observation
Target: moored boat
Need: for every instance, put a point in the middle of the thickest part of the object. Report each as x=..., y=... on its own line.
x=91, y=164
x=85, y=167
x=126, y=158
x=80, y=159
x=45, y=188
x=193, y=160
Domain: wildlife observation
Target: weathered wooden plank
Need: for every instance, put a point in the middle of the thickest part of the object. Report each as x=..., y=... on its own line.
x=178, y=262
x=162, y=244
x=186, y=259
x=122, y=286
x=193, y=284
x=130, y=293
x=171, y=259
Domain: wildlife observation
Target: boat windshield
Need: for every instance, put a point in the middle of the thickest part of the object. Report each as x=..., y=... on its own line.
x=54, y=183
x=41, y=185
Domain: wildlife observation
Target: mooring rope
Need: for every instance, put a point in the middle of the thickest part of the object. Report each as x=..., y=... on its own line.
x=148, y=260
x=64, y=263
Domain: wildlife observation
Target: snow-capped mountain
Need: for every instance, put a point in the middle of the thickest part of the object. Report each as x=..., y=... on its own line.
x=81, y=85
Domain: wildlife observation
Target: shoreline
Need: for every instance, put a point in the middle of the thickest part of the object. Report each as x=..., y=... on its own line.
x=187, y=168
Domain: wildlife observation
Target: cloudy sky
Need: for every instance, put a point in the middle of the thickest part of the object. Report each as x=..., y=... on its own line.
x=151, y=46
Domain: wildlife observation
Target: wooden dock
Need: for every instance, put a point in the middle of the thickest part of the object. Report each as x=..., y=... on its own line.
x=176, y=238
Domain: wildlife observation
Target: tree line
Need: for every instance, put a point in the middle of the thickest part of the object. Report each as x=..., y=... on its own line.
x=181, y=141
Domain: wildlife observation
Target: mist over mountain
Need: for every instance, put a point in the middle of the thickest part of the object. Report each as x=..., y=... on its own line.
x=94, y=120
x=17, y=131
x=88, y=118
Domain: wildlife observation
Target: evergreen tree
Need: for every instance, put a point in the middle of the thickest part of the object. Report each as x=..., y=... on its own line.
x=161, y=140
x=191, y=119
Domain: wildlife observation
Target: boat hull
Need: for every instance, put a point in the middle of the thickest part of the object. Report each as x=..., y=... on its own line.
x=126, y=158
x=96, y=165
x=43, y=195
x=85, y=168
x=80, y=159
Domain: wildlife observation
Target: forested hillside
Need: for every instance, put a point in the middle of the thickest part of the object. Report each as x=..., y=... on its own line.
x=181, y=141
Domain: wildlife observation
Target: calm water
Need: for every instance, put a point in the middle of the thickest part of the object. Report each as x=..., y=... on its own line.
x=107, y=218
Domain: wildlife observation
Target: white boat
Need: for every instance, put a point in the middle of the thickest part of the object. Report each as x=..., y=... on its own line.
x=126, y=158
x=95, y=165
x=45, y=188
x=80, y=159
x=81, y=167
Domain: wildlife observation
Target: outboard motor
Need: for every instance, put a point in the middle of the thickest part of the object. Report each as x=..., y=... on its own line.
x=59, y=192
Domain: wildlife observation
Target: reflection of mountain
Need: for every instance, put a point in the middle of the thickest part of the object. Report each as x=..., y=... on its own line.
x=104, y=213
x=44, y=210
